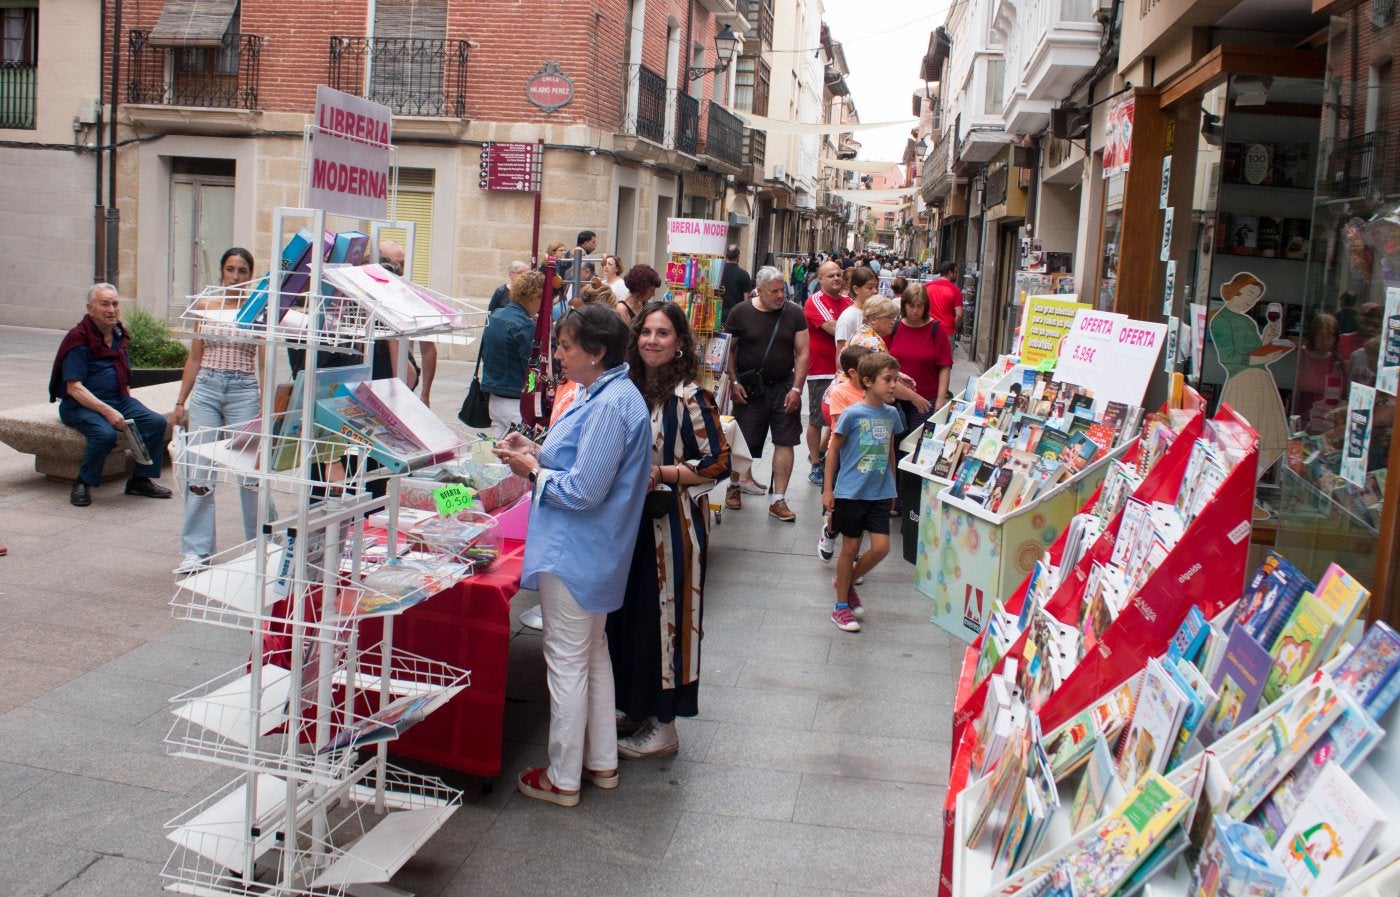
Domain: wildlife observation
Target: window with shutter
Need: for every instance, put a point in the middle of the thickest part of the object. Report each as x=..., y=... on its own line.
x=415, y=203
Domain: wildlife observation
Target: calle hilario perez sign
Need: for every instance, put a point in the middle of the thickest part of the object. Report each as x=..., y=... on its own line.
x=350, y=155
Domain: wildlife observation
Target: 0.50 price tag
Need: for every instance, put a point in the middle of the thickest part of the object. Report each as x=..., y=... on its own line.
x=453, y=498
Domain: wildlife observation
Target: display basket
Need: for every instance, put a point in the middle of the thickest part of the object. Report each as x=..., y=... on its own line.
x=233, y=456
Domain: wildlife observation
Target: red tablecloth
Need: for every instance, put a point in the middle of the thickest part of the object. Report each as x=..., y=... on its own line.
x=467, y=626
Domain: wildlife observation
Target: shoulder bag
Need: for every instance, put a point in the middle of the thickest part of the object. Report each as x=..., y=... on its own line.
x=752, y=380
x=476, y=410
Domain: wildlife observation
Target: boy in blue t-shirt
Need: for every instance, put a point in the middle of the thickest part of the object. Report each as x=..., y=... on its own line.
x=860, y=463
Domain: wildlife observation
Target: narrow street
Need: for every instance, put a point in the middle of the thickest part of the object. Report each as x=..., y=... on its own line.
x=816, y=767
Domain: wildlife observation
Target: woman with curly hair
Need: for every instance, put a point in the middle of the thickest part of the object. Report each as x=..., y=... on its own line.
x=654, y=638
x=642, y=283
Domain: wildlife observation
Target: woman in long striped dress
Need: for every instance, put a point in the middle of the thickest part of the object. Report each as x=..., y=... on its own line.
x=654, y=639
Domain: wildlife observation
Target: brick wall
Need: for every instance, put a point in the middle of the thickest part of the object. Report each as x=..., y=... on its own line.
x=515, y=38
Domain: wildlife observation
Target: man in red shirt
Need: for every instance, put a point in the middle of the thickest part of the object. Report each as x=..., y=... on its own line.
x=822, y=310
x=945, y=300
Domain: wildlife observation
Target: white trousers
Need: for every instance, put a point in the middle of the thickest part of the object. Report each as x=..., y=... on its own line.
x=582, y=710
x=504, y=412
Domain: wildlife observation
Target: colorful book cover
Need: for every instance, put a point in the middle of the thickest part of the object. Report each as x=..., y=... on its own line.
x=1092, y=795
x=1079, y=452
x=348, y=248
x=1189, y=637
x=1201, y=698
x=1276, y=744
x=1236, y=862
x=1073, y=744
x=346, y=417
x=394, y=401
x=999, y=496
x=1296, y=651
x=1052, y=443
x=1347, y=742
x=1133, y=520
x=285, y=453
x=1161, y=706
x=1269, y=601
x=1345, y=599
x=1239, y=682
x=1127, y=836
x=1370, y=665
x=1333, y=831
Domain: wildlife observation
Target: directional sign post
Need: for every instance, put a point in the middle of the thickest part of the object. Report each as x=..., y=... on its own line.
x=510, y=167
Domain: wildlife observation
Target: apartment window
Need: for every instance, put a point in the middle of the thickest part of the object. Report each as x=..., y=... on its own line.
x=996, y=86
x=19, y=61
x=751, y=77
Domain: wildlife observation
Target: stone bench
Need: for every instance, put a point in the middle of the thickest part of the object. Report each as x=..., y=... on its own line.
x=58, y=449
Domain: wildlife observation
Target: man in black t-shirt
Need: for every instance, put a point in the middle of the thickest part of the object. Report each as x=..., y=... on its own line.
x=767, y=366
x=734, y=280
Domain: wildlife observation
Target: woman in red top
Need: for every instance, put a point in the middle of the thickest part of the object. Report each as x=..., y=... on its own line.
x=924, y=353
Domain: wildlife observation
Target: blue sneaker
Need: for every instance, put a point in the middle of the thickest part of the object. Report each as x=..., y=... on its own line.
x=818, y=474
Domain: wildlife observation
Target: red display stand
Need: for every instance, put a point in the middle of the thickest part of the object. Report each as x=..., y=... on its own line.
x=467, y=626
x=1205, y=570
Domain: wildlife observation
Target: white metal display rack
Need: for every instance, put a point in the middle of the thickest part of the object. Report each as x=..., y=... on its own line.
x=309, y=813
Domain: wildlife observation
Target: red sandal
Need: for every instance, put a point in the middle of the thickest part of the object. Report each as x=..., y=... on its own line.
x=535, y=783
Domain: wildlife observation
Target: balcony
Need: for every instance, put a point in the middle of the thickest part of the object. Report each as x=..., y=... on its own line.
x=1050, y=45
x=724, y=140
x=424, y=77
x=207, y=78
x=687, y=123
x=938, y=177
x=646, y=105
x=1358, y=167
x=17, y=95
x=755, y=147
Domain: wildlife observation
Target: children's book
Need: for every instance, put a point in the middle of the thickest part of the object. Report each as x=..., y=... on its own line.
x=347, y=418
x=1095, y=788
x=1295, y=651
x=1238, y=682
x=992, y=732
x=1269, y=601
x=1190, y=635
x=1276, y=744
x=1214, y=795
x=1073, y=744
x=349, y=248
x=1347, y=742
x=1345, y=599
x=1370, y=666
x=1133, y=520
x=1236, y=862
x=1161, y=706
x=1200, y=699
x=1333, y=831
x=1127, y=836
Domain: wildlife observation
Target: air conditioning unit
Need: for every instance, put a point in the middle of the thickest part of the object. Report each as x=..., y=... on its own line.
x=1070, y=122
x=779, y=172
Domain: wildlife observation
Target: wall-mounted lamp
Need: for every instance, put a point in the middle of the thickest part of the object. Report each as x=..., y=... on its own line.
x=920, y=148
x=726, y=42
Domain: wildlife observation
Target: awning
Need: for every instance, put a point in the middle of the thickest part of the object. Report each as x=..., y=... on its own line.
x=193, y=23
x=783, y=126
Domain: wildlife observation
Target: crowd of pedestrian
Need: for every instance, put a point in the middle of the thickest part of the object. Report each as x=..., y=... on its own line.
x=619, y=526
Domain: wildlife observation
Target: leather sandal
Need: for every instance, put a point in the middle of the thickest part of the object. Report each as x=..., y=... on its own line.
x=606, y=779
x=535, y=783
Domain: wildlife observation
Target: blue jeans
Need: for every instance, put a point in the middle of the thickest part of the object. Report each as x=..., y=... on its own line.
x=219, y=399
x=102, y=437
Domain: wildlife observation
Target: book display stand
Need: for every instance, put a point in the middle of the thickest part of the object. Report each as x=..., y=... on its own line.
x=315, y=807
x=970, y=551
x=692, y=282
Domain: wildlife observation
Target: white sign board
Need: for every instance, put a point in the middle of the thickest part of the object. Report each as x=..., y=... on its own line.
x=696, y=236
x=350, y=155
x=1110, y=354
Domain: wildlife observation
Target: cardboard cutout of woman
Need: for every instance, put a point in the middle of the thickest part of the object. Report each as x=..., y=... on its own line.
x=1245, y=353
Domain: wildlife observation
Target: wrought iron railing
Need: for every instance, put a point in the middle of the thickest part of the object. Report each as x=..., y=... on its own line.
x=646, y=104
x=1356, y=166
x=213, y=78
x=687, y=123
x=937, y=177
x=410, y=75
x=17, y=95
x=724, y=135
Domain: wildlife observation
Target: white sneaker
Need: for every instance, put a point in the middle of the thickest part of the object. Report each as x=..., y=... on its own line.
x=653, y=739
x=752, y=487
x=533, y=618
x=192, y=563
x=826, y=545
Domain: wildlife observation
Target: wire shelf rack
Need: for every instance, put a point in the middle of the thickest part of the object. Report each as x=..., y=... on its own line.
x=234, y=456
x=366, y=829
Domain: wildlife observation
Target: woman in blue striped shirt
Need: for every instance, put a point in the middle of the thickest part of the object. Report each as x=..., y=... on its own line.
x=590, y=479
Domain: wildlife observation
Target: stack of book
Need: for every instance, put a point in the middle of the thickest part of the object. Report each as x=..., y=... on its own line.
x=1269, y=808
x=386, y=417
x=1005, y=448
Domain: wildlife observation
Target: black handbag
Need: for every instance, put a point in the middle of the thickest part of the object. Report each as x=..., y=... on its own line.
x=476, y=410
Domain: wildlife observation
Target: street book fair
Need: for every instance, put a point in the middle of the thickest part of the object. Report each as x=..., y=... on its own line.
x=1137, y=712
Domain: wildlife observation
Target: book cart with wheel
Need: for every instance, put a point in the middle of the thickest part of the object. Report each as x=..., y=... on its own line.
x=312, y=805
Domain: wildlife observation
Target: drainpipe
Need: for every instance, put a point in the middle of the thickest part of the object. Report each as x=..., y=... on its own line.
x=99, y=267
x=112, y=217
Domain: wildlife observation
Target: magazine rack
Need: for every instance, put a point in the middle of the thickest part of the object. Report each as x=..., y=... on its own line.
x=692, y=281
x=1210, y=556
x=310, y=810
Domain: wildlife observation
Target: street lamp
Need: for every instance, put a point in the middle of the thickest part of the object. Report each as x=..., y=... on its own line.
x=920, y=148
x=726, y=42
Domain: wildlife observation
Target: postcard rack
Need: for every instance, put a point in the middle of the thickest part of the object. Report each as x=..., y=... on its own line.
x=315, y=807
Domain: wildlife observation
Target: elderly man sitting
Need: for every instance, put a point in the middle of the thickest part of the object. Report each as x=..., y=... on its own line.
x=92, y=377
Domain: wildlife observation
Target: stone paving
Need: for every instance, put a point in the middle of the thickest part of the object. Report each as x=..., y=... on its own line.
x=817, y=765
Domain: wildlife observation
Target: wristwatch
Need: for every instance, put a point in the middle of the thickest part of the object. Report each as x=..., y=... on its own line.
x=533, y=475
